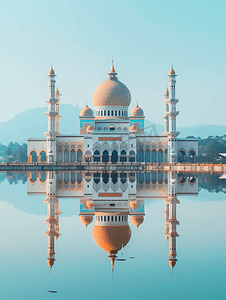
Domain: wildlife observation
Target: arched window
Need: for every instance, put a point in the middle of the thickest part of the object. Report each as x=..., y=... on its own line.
x=166, y=155
x=119, y=113
x=181, y=156
x=123, y=177
x=154, y=155
x=43, y=156
x=160, y=178
x=154, y=177
x=66, y=178
x=79, y=178
x=115, y=112
x=105, y=156
x=73, y=177
x=147, y=155
x=96, y=177
x=105, y=177
x=43, y=177
x=131, y=156
x=60, y=156
x=73, y=155
x=141, y=155
x=96, y=155
x=33, y=177
x=108, y=112
x=132, y=177
x=105, y=113
x=160, y=155
x=122, y=113
x=66, y=155
x=102, y=113
x=114, y=177
x=123, y=157
x=191, y=155
x=79, y=155
x=112, y=113
x=114, y=156
x=34, y=156
x=147, y=178
x=140, y=178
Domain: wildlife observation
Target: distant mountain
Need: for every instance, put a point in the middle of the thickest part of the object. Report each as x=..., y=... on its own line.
x=202, y=131
x=33, y=122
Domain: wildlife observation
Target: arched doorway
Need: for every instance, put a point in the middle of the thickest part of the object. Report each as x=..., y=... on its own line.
x=96, y=157
x=114, y=156
x=154, y=155
x=181, y=155
x=191, y=155
x=105, y=156
x=123, y=157
x=131, y=156
x=42, y=156
x=60, y=156
x=140, y=155
x=73, y=155
x=147, y=155
x=79, y=155
x=160, y=155
x=66, y=155
x=34, y=156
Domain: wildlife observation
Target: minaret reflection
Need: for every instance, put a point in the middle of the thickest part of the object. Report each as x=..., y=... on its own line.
x=171, y=219
x=52, y=217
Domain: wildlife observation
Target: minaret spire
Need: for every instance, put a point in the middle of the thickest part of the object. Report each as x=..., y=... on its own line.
x=113, y=73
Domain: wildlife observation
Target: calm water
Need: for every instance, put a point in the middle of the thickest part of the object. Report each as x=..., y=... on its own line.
x=81, y=268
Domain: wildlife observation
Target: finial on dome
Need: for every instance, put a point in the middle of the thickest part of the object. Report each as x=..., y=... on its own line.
x=113, y=73
x=51, y=71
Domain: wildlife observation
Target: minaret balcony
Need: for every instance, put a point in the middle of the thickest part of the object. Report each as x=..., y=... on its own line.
x=172, y=113
x=51, y=113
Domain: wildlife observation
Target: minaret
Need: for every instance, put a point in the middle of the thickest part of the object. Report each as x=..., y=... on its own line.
x=52, y=116
x=57, y=107
x=52, y=217
x=170, y=116
x=172, y=219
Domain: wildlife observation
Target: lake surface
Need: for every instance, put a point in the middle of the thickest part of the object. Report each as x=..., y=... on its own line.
x=112, y=236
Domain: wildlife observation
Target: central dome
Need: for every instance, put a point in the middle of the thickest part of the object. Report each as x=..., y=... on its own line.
x=112, y=92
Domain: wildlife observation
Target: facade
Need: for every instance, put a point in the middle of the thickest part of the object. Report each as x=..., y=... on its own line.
x=112, y=135
x=113, y=204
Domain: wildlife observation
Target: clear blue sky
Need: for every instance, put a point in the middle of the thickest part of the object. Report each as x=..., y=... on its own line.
x=144, y=37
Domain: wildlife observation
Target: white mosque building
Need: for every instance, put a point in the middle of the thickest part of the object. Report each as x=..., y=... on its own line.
x=112, y=134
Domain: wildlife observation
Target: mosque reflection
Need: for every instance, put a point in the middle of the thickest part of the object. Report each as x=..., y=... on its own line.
x=111, y=199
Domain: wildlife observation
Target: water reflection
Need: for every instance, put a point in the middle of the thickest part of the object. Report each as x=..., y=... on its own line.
x=111, y=199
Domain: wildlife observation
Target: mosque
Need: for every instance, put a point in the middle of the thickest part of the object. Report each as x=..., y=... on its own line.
x=112, y=203
x=112, y=134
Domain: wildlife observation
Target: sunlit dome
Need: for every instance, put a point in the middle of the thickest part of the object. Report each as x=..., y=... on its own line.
x=111, y=238
x=57, y=92
x=86, y=112
x=137, y=112
x=112, y=92
x=172, y=72
x=133, y=128
x=137, y=220
x=51, y=71
x=86, y=220
x=167, y=92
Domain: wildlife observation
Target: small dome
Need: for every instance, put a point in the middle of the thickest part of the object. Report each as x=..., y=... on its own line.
x=133, y=128
x=137, y=220
x=86, y=220
x=172, y=262
x=57, y=92
x=50, y=262
x=137, y=112
x=171, y=72
x=112, y=92
x=90, y=128
x=86, y=112
x=51, y=71
x=111, y=238
x=166, y=92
